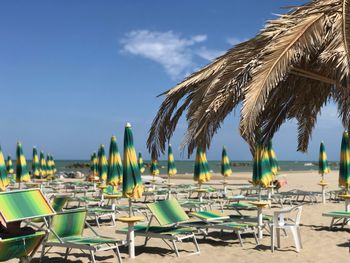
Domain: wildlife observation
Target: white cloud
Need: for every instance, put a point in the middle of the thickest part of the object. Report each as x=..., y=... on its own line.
x=174, y=52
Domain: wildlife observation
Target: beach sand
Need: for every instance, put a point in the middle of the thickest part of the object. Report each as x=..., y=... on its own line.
x=319, y=243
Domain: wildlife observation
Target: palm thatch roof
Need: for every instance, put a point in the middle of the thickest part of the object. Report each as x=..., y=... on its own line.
x=290, y=70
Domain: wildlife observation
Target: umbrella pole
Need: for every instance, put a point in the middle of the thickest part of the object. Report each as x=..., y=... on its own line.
x=130, y=207
x=259, y=192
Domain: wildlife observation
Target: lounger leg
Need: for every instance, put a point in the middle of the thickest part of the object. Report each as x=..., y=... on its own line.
x=255, y=236
x=175, y=248
x=97, y=222
x=196, y=244
x=240, y=238
x=117, y=252
x=332, y=222
x=66, y=255
x=92, y=256
x=42, y=253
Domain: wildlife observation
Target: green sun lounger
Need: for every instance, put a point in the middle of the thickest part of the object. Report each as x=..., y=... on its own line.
x=169, y=215
x=67, y=229
x=17, y=206
x=338, y=216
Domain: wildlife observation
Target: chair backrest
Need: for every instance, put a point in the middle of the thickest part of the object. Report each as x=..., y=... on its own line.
x=168, y=212
x=24, y=204
x=59, y=202
x=279, y=216
x=68, y=223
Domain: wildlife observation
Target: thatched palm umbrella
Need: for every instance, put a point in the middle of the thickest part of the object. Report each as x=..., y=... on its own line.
x=291, y=69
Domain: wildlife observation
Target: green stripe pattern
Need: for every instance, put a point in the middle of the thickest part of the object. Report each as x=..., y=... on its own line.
x=262, y=175
x=168, y=212
x=49, y=167
x=273, y=159
x=102, y=164
x=154, y=167
x=35, y=163
x=344, y=164
x=4, y=180
x=141, y=164
x=19, y=205
x=68, y=224
x=43, y=166
x=323, y=167
x=53, y=164
x=201, y=167
x=172, y=171
x=9, y=165
x=22, y=174
x=94, y=164
x=115, y=165
x=132, y=183
x=226, y=170
x=19, y=247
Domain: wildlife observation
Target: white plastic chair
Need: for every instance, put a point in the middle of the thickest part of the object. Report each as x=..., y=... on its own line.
x=281, y=222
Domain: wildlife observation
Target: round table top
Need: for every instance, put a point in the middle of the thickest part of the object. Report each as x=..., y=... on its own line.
x=200, y=190
x=322, y=183
x=132, y=219
x=112, y=196
x=260, y=203
x=347, y=196
x=102, y=186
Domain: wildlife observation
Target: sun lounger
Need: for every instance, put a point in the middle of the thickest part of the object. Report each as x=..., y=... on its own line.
x=338, y=216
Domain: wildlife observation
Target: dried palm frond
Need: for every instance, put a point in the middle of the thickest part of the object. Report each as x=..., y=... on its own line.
x=290, y=70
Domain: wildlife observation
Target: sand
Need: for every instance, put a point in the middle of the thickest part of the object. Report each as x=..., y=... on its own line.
x=319, y=243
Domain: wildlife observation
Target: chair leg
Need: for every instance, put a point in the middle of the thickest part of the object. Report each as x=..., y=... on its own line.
x=278, y=234
x=299, y=236
x=296, y=239
x=117, y=252
x=97, y=221
x=273, y=230
x=175, y=248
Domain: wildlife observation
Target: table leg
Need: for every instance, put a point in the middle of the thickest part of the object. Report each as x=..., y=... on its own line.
x=131, y=240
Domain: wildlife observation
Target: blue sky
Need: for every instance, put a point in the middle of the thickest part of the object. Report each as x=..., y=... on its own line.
x=72, y=73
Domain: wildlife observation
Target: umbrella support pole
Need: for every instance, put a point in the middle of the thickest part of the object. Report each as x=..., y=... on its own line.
x=130, y=207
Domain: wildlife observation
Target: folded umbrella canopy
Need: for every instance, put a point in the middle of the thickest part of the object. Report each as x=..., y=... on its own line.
x=49, y=168
x=201, y=167
x=154, y=168
x=43, y=165
x=9, y=165
x=102, y=164
x=22, y=174
x=115, y=166
x=226, y=170
x=141, y=164
x=4, y=180
x=172, y=171
x=132, y=183
x=273, y=160
x=35, y=163
x=323, y=167
x=262, y=174
x=344, y=164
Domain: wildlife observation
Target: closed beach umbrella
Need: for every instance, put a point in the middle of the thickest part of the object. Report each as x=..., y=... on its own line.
x=132, y=183
x=9, y=165
x=94, y=164
x=49, y=170
x=201, y=167
x=323, y=167
x=53, y=165
x=43, y=165
x=115, y=166
x=141, y=164
x=172, y=171
x=35, y=163
x=154, y=168
x=273, y=160
x=102, y=164
x=22, y=174
x=262, y=175
x=4, y=180
x=344, y=164
x=226, y=170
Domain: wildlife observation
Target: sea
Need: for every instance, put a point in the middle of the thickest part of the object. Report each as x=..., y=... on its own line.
x=187, y=167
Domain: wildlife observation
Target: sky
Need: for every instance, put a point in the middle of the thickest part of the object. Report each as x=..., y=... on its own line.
x=72, y=73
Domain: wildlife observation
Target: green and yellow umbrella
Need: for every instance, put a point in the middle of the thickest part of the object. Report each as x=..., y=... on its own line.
x=172, y=171
x=35, y=163
x=132, y=183
x=344, y=164
x=53, y=164
x=226, y=170
x=201, y=167
x=9, y=165
x=154, y=168
x=323, y=167
x=43, y=166
x=262, y=174
x=94, y=164
x=115, y=166
x=273, y=159
x=22, y=174
x=49, y=168
x=102, y=164
x=141, y=164
x=4, y=180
